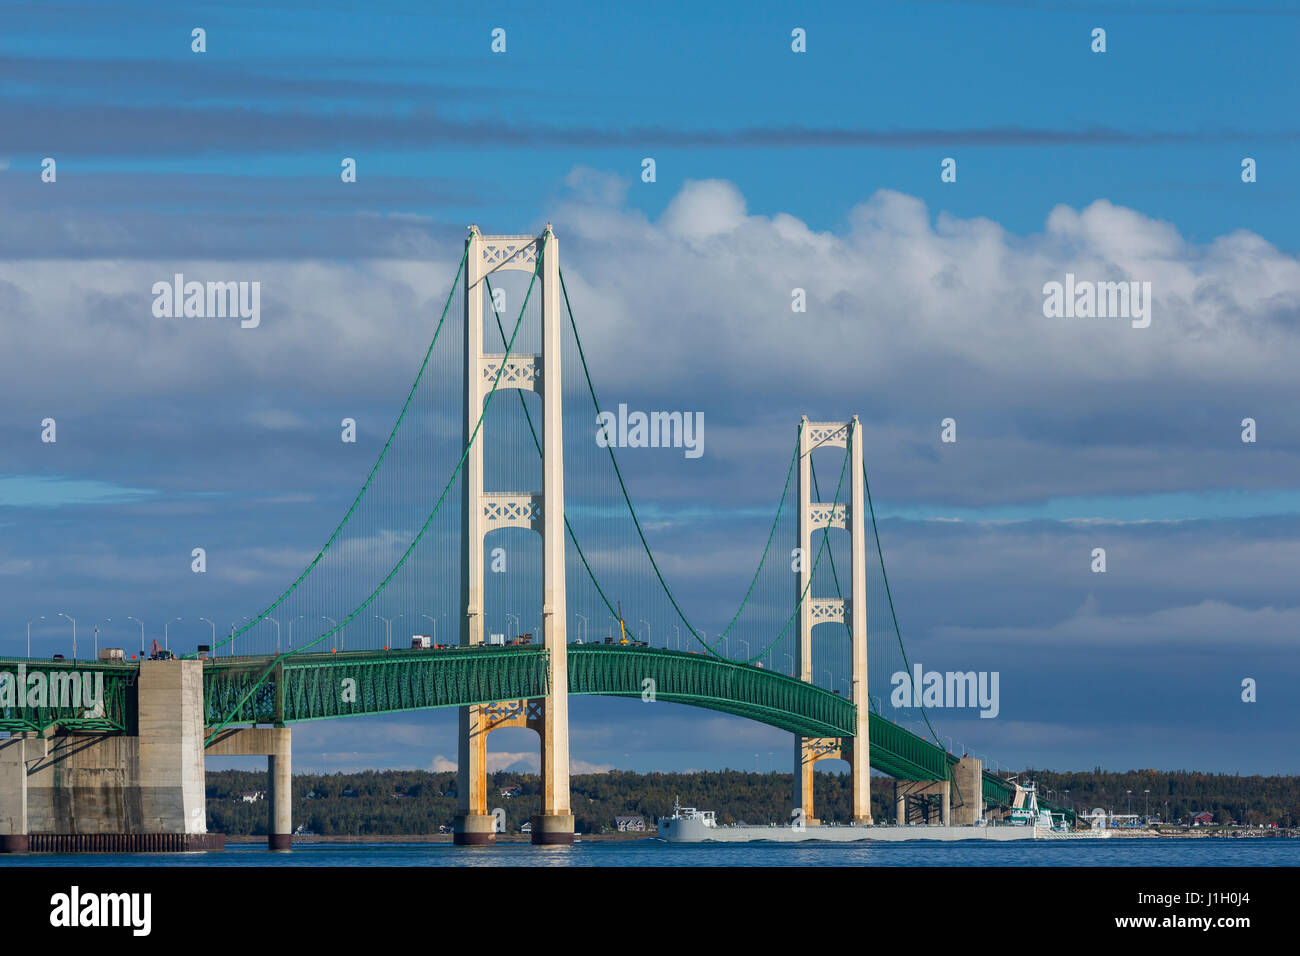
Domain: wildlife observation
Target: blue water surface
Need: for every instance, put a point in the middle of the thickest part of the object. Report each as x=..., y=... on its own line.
x=1113, y=852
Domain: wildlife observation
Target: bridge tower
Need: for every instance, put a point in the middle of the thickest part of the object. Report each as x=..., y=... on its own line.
x=813, y=516
x=486, y=511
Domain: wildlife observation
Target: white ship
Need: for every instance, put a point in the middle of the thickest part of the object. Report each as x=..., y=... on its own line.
x=1027, y=822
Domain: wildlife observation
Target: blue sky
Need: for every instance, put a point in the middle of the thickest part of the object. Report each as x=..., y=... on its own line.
x=774, y=170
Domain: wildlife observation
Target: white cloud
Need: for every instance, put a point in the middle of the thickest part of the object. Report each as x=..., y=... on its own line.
x=441, y=764
x=921, y=305
x=524, y=762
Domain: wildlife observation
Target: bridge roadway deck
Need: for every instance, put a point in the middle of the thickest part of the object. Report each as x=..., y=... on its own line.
x=316, y=686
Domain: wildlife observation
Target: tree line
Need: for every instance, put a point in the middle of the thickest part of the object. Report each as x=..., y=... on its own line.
x=392, y=802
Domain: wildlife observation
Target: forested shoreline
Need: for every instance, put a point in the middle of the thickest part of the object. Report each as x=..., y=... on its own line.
x=388, y=802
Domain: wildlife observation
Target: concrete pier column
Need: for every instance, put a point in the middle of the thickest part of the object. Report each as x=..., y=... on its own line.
x=968, y=775
x=13, y=795
x=900, y=805
x=945, y=803
x=279, y=767
x=170, y=718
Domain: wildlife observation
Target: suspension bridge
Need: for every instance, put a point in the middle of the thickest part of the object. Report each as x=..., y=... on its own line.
x=484, y=511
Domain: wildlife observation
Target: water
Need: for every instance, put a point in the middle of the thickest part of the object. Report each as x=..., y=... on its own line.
x=1114, y=852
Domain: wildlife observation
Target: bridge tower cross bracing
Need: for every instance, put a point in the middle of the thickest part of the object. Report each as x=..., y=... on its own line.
x=484, y=512
x=813, y=516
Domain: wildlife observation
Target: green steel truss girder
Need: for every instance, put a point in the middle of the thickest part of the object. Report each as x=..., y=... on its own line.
x=118, y=679
x=316, y=686
x=705, y=681
x=905, y=756
x=997, y=792
x=312, y=688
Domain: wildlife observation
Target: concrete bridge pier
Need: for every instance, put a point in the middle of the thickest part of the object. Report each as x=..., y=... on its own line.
x=276, y=743
x=923, y=794
x=968, y=775
x=137, y=790
x=13, y=792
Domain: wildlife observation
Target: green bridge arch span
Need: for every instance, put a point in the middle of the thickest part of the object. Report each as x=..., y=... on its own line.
x=305, y=687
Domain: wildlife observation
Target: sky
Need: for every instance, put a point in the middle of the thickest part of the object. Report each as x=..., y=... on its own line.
x=774, y=170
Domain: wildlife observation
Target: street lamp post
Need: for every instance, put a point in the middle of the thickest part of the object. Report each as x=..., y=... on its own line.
x=586, y=627
x=790, y=658
x=29, y=633
x=243, y=617
x=74, y=634
x=434, y=622
x=97, y=623
x=746, y=643
x=516, y=617
x=167, y=643
x=299, y=617
x=277, y=633
x=388, y=623
x=141, y=623
x=830, y=680
x=213, y=645
x=647, y=628
x=679, y=636
x=332, y=621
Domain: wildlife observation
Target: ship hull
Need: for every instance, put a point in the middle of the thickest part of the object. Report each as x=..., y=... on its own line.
x=694, y=831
